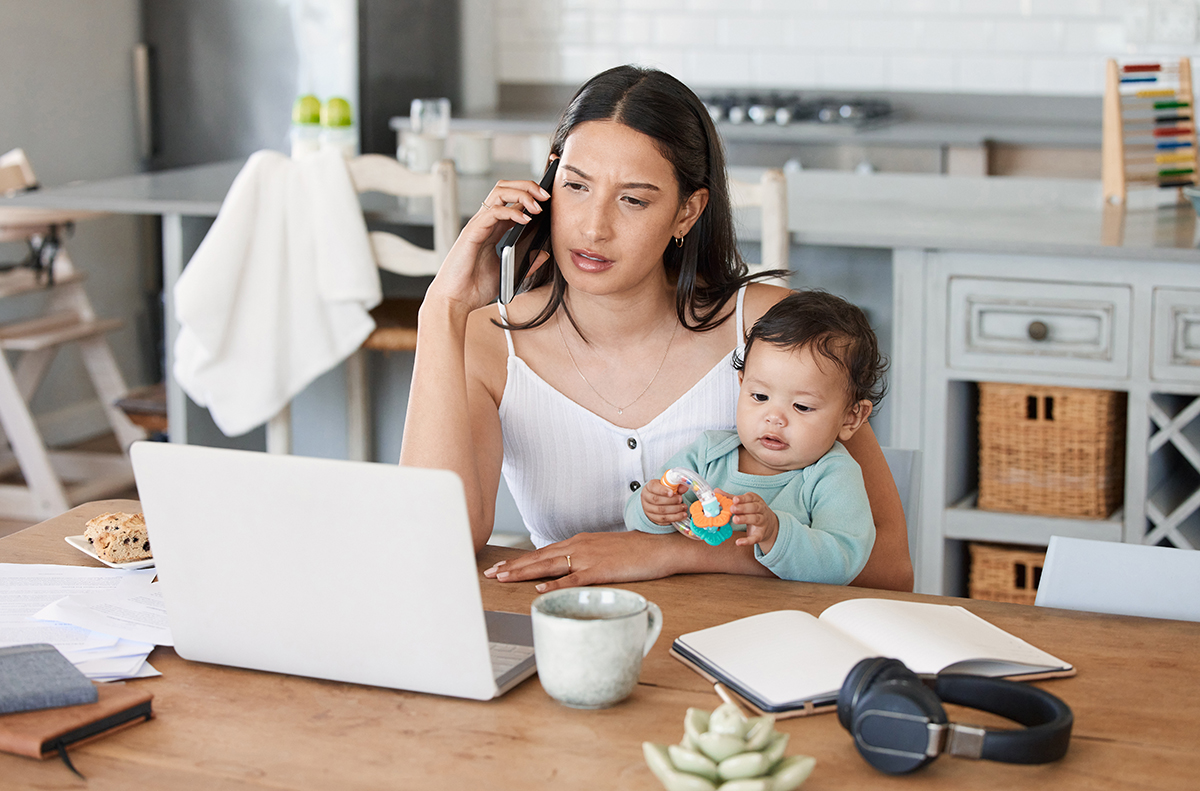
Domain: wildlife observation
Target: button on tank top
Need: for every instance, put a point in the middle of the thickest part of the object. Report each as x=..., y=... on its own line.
x=571, y=471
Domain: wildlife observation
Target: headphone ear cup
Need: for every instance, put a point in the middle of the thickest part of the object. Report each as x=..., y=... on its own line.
x=890, y=724
x=862, y=677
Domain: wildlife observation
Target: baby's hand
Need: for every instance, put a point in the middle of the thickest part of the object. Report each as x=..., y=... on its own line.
x=662, y=505
x=762, y=525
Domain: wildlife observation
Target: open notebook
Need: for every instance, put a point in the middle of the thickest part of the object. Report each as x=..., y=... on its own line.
x=791, y=663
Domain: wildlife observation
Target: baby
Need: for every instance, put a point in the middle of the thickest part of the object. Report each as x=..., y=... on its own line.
x=810, y=376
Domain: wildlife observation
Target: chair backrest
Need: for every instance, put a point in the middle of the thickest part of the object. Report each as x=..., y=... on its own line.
x=769, y=194
x=15, y=172
x=905, y=466
x=378, y=173
x=1122, y=579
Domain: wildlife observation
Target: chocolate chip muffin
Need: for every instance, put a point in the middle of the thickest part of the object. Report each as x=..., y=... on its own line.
x=118, y=537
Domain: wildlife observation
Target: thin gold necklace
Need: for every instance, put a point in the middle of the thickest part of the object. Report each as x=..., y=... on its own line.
x=620, y=409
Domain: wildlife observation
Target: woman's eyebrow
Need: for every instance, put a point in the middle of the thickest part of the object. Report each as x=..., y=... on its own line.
x=633, y=185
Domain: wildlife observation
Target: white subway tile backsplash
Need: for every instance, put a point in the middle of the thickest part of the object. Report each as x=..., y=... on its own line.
x=719, y=68
x=991, y=74
x=796, y=6
x=955, y=35
x=635, y=29
x=785, y=69
x=921, y=73
x=1066, y=7
x=1067, y=76
x=852, y=71
x=761, y=33
x=888, y=34
x=672, y=61
x=580, y=63
x=993, y=8
x=1029, y=35
x=989, y=46
x=1089, y=38
x=819, y=33
x=685, y=30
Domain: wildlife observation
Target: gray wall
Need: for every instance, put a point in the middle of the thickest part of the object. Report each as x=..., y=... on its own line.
x=67, y=96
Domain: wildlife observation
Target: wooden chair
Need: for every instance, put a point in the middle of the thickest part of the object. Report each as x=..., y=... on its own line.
x=905, y=466
x=769, y=195
x=1122, y=579
x=395, y=319
x=54, y=481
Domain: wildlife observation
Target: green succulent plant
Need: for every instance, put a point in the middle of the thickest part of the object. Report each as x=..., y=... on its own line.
x=729, y=751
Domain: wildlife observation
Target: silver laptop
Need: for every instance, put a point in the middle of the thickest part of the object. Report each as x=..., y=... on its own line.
x=339, y=570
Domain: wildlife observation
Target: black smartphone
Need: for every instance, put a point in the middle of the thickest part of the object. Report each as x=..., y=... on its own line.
x=512, y=269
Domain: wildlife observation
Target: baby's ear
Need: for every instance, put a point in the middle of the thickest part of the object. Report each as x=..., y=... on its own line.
x=856, y=415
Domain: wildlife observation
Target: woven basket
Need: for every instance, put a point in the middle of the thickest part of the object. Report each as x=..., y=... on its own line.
x=1002, y=572
x=1056, y=451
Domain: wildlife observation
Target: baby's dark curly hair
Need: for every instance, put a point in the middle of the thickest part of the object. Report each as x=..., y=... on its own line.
x=834, y=328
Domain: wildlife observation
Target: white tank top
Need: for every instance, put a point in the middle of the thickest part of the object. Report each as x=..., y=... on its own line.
x=571, y=471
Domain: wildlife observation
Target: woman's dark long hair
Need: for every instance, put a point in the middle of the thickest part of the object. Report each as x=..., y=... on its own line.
x=708, y=269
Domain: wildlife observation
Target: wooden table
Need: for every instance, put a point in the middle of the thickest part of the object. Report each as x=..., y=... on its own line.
x=1135, y=700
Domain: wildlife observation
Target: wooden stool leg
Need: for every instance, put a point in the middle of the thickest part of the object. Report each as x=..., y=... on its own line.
x=47, y=493
x=110, y=386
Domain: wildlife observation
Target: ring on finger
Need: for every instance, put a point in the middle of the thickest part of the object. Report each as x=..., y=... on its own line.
x=568, y=564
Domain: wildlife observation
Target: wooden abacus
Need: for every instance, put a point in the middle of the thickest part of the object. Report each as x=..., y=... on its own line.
x=1149, y=132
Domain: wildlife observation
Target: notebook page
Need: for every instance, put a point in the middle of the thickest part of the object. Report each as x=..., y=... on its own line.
x=930, y=637
x=783, y=656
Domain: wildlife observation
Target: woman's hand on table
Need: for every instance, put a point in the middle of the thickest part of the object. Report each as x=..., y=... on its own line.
x=594, y=558
x=634, y=556
x=471, y=272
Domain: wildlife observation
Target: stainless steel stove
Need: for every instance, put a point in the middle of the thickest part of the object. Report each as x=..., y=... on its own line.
x=783, y=109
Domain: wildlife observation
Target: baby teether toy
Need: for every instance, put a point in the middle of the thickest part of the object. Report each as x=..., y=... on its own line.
x=710, y=515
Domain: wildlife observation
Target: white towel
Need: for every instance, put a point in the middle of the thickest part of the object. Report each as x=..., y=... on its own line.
x=278, y=291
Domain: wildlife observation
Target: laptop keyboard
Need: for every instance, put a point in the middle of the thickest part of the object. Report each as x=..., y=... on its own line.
x=506, y=656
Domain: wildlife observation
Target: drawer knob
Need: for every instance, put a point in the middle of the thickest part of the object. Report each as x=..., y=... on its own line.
x=1038, y=330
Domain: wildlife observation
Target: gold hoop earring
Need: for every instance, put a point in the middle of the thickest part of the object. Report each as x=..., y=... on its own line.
x=679, y=241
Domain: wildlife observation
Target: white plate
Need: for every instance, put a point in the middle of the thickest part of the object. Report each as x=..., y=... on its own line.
x=81, y=543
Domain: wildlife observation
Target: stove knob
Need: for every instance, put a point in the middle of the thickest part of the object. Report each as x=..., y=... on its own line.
x=716, y=111
x=737, y=114
x=783, y=116
x=826, y=115
x=761, y=113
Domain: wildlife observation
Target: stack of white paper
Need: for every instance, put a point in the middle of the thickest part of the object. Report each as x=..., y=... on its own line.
x=106, y=621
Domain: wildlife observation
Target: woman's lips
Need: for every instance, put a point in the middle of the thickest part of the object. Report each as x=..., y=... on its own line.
x=589, y=261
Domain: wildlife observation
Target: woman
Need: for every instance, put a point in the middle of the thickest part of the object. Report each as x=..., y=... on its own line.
x=618, y=353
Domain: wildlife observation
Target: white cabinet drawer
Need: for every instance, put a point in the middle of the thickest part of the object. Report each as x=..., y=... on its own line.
x=1176, y=339
x=1039, y=326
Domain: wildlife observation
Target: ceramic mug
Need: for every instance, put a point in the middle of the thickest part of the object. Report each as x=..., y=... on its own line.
x=419, y=152
x=589, y=643
x=473, y=154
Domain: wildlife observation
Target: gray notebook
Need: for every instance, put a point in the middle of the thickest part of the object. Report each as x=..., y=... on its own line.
x=38, y=676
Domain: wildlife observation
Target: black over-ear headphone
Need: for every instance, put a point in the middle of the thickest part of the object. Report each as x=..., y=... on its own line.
x=899, y=724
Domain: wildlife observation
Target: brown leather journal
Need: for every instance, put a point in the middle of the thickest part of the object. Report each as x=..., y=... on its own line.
x=43, y=733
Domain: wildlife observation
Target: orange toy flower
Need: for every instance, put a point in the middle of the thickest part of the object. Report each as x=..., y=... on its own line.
x=721, y=519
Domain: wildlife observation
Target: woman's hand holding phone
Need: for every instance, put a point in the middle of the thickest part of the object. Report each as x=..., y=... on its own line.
x=470, y=274
x=515, y=264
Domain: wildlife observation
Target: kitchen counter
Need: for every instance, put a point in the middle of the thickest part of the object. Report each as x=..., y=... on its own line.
x=893, y=131
x=1010, y=215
